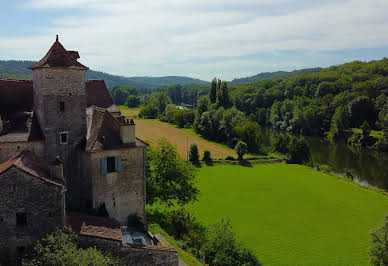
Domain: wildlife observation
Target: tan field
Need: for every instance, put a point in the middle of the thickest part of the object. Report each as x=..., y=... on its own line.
x=129, y=112
x=152, y=131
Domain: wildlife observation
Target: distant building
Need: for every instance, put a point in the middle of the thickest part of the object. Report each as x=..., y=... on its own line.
x=66, y=150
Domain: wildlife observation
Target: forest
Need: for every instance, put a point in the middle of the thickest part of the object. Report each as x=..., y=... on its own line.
x=333, y=103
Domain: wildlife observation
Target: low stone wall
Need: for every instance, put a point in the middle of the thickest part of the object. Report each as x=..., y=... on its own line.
x=135, y=255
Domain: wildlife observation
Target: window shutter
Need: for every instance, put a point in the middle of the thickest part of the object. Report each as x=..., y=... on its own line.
x=58, y=138
x=69, y=138
x=103, y=165
x=119, y=164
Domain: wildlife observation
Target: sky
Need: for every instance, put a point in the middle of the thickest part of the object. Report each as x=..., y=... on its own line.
x=197, y=38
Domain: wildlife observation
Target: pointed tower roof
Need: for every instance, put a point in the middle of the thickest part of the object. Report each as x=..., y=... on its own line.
x=59, y=57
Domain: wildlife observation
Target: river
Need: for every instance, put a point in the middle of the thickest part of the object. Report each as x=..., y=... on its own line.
x=370, y=167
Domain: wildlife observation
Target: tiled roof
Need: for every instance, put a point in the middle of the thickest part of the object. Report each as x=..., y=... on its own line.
x=32, y=165
x=57, y=56
x=15, y=95
x=95, y=226
x=98, y=94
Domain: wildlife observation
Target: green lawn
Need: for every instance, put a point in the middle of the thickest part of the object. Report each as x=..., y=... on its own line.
x=291, y=214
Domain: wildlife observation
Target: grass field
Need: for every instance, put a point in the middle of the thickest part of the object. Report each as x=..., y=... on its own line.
x=291, y=214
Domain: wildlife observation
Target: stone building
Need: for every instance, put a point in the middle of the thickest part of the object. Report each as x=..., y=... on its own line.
x=63, y=134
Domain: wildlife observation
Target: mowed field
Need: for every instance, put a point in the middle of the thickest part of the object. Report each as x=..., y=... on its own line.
x=151, y=131
x=291, y=214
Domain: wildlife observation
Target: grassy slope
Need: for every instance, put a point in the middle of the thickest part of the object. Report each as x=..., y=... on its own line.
x=290, y=214
x=183, y=255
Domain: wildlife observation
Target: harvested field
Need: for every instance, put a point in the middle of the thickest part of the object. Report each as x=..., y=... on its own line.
x=129, y=112
x=152, y=131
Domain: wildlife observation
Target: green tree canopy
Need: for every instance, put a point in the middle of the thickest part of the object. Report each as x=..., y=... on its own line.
x=241, y=149
x=169, y=178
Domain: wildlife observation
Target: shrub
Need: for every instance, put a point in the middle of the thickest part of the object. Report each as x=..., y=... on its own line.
x=61, y=248
x=132, y=101
x=241, y=149
x=193, y=154
x=378, y=251
x=222, y=248
x=207, y=158
x=230, y=158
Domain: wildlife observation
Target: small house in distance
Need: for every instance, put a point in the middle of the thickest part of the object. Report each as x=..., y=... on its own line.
x=68, y=155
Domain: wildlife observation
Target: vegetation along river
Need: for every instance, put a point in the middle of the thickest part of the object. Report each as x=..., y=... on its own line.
x=370, y=167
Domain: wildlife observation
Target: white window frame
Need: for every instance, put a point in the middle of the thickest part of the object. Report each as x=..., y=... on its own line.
x=67, y=137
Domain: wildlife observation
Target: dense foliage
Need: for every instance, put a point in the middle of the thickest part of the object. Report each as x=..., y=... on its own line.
x=62, y=248
x=378, y=251
x=193, y=154
x=170, y=179
x=241, y=149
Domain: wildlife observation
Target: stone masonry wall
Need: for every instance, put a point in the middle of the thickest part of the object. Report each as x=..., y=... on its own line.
x=123, y=193
x=9, y=149
x=134, y=256
x=42, y=203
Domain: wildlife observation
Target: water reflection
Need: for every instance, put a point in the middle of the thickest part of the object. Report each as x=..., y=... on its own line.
x=368, y=165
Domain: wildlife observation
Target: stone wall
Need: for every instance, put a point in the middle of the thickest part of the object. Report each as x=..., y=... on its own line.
x=43, y=204
x=135, y=256
x=123, y=193
x=9, y=149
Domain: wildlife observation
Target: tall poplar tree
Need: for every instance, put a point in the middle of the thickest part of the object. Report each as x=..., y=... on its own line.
x=213, y=91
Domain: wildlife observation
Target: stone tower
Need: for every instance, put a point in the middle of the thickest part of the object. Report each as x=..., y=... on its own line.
x=60, y=102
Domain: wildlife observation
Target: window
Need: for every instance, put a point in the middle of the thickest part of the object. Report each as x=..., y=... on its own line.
x=111, y=164
x=62, y=106
x=21, y=219
x=64, y=138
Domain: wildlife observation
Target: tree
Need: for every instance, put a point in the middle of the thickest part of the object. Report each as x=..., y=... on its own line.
x=281, y=144
x=202, y=105
x=241, y=148
x=250, y=133
x=339, y=122
x=169, y=177
x=62, y=248
x=132, y=101
x=193, y=154
x=378, y=251
x=223, y=98
x=299, y=150
x=149, y=111
x=222, y=248
x=161, y=100
x=213, y=91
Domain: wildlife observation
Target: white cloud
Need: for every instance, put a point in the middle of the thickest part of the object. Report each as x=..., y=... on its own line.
x=147, y=37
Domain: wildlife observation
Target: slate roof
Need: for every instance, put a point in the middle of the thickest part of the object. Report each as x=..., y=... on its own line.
x=94, y=226
x=59, y=57
x=33, y=165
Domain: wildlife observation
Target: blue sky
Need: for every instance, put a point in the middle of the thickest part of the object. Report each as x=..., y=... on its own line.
x=197, y=38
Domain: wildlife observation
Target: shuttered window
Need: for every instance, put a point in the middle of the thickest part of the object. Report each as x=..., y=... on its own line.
x=119, y=164
x=111, y=164
x=103, y=165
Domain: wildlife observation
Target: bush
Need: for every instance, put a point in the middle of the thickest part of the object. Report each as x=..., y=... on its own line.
x=378, y=251
x=62, y=248
x=222, y=248
x=230, y=158
x=207, y=158
x=299, y=150
x=193, y=154
x=241, y=149
x=132, y=101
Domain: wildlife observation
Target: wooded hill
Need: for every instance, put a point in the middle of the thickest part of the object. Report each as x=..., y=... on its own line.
x=19, y=70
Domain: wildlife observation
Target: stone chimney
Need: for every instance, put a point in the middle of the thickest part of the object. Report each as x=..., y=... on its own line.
x=56, y=169
x=127, y=132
